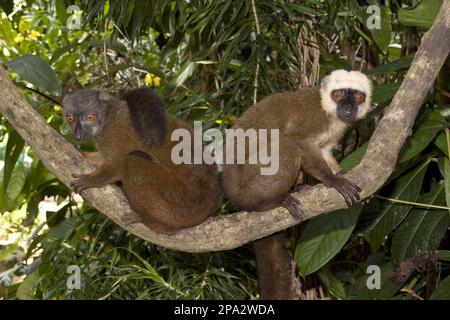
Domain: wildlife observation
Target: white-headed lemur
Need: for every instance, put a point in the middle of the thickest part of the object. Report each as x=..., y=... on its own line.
x=311, y=122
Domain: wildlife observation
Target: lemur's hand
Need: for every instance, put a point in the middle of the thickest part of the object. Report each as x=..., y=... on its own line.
x=81, y=182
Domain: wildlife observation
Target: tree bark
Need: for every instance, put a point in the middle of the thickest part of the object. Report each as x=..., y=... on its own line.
x=234, y=230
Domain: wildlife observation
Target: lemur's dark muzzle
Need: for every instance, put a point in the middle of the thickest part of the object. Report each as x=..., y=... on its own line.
x=347, y=107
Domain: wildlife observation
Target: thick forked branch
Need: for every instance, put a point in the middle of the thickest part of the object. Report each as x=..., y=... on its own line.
x=231, y=231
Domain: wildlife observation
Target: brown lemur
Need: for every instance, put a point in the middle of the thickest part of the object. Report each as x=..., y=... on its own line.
x=133, y=142
x=311, y=122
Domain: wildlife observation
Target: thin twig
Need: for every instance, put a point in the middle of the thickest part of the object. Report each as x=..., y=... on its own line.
x=105, y=53
x=258, y=32
x=43, y=95
x=417, y=204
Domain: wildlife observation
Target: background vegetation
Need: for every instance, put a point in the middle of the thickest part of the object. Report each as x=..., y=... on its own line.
x=210, y=60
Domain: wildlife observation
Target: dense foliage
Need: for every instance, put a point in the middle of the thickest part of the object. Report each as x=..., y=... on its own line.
x=211, y=59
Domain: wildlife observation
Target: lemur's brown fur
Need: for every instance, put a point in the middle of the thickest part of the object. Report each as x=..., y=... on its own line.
x=311, y=122
x=166, y=196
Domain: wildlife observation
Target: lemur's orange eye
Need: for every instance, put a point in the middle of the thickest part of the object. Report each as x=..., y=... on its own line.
x=69, y=118
x=90, y=117
x=360, y=97
x=336, y=95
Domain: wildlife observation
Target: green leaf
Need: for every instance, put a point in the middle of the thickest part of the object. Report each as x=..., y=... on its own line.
x=148, y=270
x=60, y=51
x=63, y=230
x=186, y=73
x=354, y=158
x=444, y=255
x=427, y=129
x=304, y=9
x=61, y=11
x=7, y=32
x=405, y=188
x=441, y=143
x=205, y=62
x=27, y=287
x=17, y=181
x=129, y=12
x=398, y=64
x=323, y=237
x=384, y=92
x=36, y=71
x=14, y=148
x=422, y=15
x=387, y=287
x=382, y=36
x=443, y=291
x=423, y=229
x=332, y=284
x=447, y=181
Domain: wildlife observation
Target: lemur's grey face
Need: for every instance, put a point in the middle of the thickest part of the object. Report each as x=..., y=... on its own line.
x=346, y=95
x=85, y=112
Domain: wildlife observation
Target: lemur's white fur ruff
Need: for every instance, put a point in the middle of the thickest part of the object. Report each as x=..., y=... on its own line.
x=343, y=79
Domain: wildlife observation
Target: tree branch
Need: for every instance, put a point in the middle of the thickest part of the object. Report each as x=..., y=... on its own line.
x=231, y=231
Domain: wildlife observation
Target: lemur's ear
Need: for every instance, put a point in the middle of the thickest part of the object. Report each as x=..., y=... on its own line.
x=324, y=82
x=104, y=96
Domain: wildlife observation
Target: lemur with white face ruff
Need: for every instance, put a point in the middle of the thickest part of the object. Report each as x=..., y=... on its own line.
x=311, y=122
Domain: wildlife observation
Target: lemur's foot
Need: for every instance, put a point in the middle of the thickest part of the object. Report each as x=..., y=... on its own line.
x=293, y=206
x=348, y=190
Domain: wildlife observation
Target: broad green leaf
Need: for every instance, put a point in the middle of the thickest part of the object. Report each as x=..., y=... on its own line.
x=323, y=237
x=129, y=12
x=60, y=51
x=441, y=143
x=36, y=71
x=61, y=11
x=405, y=188
x=442, y=292
x=398, y=64
x=425, y=132
x=423, y=228
x=422, y=15
x=354, y=158
x=384, y=92
x=14, y=148
x=27, y=287
x=334, y=286
x=382, y=36
x=387, y=287
x=17, y=181
x=63, y=230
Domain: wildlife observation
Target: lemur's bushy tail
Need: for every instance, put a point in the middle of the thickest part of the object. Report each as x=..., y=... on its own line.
x=148, y=115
